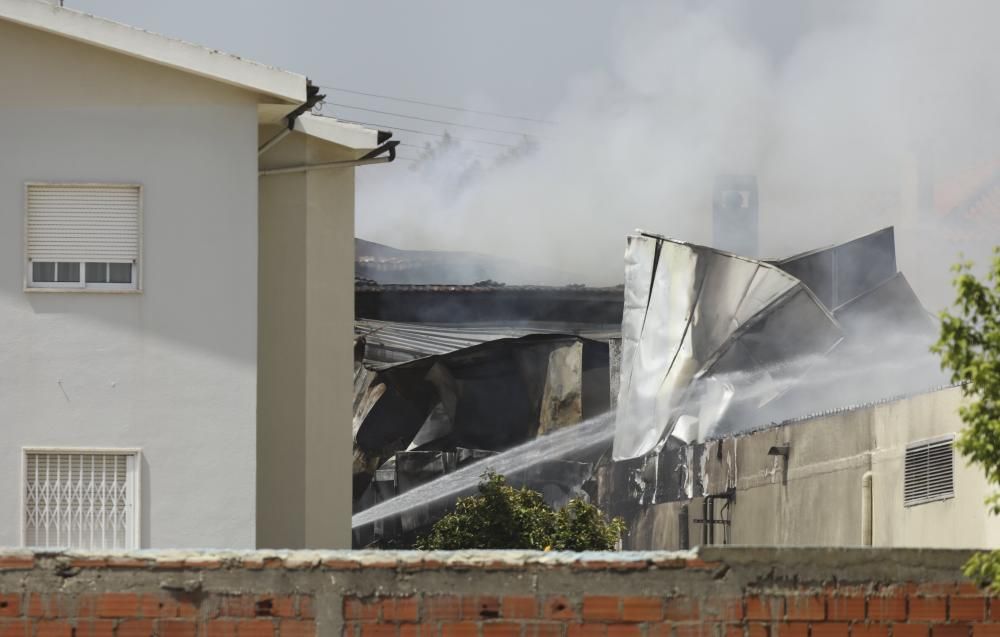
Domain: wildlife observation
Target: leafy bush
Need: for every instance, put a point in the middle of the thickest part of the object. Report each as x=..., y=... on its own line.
x=970, y=348
x=502, y=517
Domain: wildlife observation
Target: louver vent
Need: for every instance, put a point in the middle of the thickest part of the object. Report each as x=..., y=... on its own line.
x=929, y=471
x=79, y=500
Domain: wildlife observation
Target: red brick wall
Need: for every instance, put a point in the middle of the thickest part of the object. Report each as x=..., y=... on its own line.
x=716, y=593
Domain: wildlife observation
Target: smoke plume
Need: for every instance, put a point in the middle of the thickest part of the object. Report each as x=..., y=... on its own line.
x=853, y=115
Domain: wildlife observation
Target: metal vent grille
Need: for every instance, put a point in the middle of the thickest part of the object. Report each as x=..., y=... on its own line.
x=83, y=223
x=929, y=471
x=79, y=500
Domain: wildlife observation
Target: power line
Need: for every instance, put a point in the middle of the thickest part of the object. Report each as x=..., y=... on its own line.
x=390, y=127
x=451, y=108
x=424, y=148
x=433, y=121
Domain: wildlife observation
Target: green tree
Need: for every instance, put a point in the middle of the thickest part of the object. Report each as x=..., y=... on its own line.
x=502, y=517
x=970, y=349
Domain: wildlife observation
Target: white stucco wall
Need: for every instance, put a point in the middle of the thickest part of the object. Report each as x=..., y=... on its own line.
x=171, y=370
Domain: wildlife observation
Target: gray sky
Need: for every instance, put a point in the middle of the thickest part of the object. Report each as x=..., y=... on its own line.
x=513, y=56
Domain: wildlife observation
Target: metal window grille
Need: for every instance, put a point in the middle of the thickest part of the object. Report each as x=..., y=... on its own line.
x=80, y=500
x=929, y=471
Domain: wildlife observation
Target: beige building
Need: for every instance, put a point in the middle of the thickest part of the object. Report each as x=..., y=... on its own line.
x=884, y=474
x=176, y=276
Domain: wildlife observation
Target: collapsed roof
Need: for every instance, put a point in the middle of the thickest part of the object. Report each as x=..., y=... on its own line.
x=714, y=342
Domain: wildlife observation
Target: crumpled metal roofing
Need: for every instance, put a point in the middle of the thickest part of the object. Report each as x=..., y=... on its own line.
x=698, y=322
x=389, y=342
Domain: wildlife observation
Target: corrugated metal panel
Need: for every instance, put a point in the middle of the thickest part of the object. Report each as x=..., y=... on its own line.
x=79, y=500
x=392, y=342
x=929, y=471
x=83, y=223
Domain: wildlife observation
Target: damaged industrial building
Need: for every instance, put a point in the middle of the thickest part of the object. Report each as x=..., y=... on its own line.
x=751, y=401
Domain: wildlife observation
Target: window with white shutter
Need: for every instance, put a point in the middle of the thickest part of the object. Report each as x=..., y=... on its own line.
x=929, y=471
x=81, y=499
x=83, y=236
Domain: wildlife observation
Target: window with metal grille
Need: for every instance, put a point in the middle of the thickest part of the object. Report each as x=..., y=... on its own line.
x=82, y=236
x=929, y=471
x=81, y=499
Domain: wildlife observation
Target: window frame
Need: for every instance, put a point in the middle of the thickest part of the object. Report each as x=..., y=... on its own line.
x=135, y=534
x=29, y=285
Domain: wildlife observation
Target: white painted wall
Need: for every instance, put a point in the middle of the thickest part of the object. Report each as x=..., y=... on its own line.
x=171, y=370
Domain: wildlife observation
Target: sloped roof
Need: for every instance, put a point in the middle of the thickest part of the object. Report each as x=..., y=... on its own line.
x=282, y=87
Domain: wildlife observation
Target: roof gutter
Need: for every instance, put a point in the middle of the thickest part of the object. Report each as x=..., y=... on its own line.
x=374, y=157
x=312, y=98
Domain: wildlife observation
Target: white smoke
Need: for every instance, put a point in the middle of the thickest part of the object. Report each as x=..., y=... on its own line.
x=842, y=110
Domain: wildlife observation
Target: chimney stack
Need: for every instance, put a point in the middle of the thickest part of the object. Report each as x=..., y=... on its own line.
x=734, y=214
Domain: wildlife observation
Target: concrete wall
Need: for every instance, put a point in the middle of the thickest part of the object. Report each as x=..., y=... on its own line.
x=306, y=347
x=173, y=369
x=714, y=592
x=816, y=499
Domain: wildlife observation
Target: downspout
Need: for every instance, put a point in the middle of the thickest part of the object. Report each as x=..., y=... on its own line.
x=866, y=509
x=371, y=158
x=312, y=98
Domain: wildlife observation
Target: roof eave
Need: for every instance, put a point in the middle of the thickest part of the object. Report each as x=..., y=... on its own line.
x=276, y=84
x=329, y=129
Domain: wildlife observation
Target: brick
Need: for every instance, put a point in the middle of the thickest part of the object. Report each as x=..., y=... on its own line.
x=460, y=629
x=722, y=608
x=681, y=609
x=758, y=630
x=966, y=608
x=951, y=630
x=413, y=630
x=928, y=609
x=995, y=610
x=181, y=605
x=14, y=563
x=400, y=609
x=306, y=609
x=135, y=628
x=910, y=630
x=805, y=607
x=761, y=607
x=642, y=609
x=887, y=608
x=842, y=608
x=586, y=630
x=119, y=605
x=56, y=628
x=558, y=607
x=95, y=628
x=274, y=606
x=547, y=629
x=442, y=607
x=624, y=630
x=694, y=630
x=501, y=629
x=299, y=628
x=829, y=629
x=10, y=605
x=220, y=628
x=519, y=607
x=355, y=608
x=379, y=630
x=601, y=608
x=733, y=631
x=238, y=606
x=255, y=627
x=176, y=628
x=480, y=607
x=791, y=629
x=16, y=628
x=39, y=606
x=980, y=630
x=869, y=630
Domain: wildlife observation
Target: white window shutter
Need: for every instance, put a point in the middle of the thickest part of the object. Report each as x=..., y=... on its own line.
x=69, y=222
x=80, y=500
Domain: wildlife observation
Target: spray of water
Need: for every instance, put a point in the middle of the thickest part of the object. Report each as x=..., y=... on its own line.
x=571, y=440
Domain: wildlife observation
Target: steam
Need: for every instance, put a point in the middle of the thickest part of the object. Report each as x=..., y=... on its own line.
x=845, y=111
